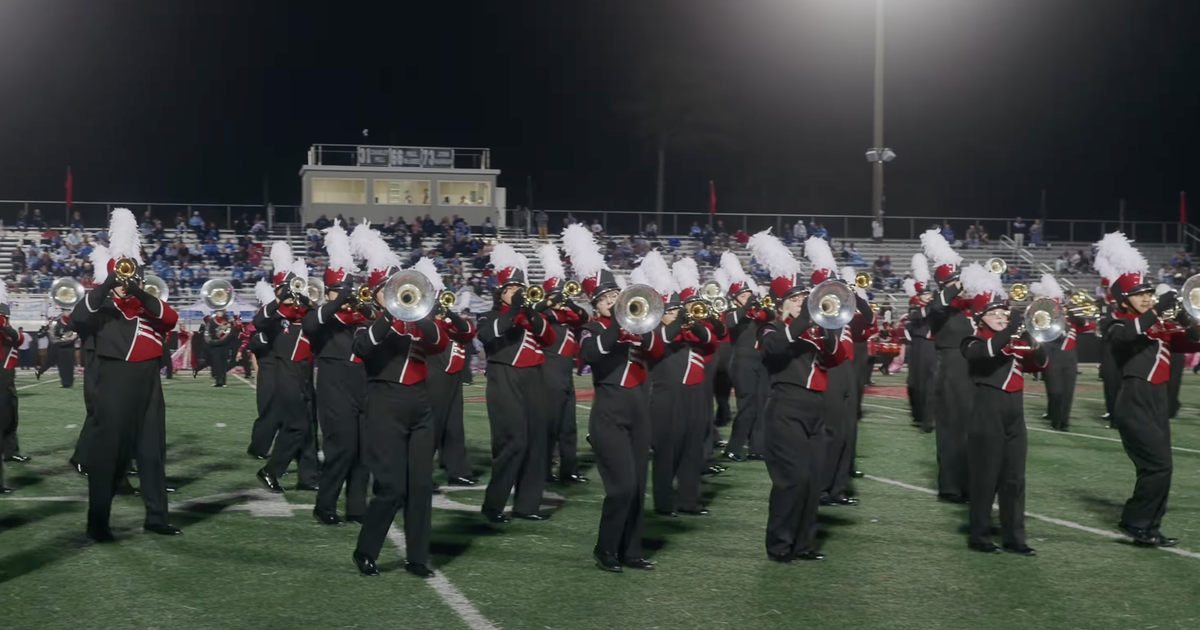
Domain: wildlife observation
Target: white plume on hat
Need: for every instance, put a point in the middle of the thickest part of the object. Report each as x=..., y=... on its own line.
x=580, y=245
x=638, y=276
x=551, y=262
x=3, y=292
x=816, y=249
x=910, y=287
x=1121, y=256
x=504, y=256
x=976, y=280
x=920, y=268
x=732, y=266
x=938, y=249
x=773, y=255
x=337, y=243
x=281, y=257
x=99, y=258
x=1158, y=291
x=264, y=292
x=300, y=268
x=848, y=274
x=369, y=245
x=686, y=273
x=1048, y=286
x=656, y=274
x=124, y=239
x=721, y=277
x=622, y=282
x=426, y=266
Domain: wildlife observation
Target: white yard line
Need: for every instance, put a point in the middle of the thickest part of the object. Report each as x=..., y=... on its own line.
x=244, y=380
x=449, y=593
x=1056, y=521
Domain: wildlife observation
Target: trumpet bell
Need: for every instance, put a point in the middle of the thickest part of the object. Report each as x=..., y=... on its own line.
x=638, y=309
x=157, y=287
x=298, y=285
x=996, y=265
x=217, y=294
x=66, y=292
x=409, y=295
x=1189, y=296
x=316, y=290
x=767, y=302
x=534, y=294
x=572, y=288
x=125, y=268
x=1018, y=292
x=447, y=299
x=1045, y=320
x=862, y=280
x=698, y=310
x=831, y=304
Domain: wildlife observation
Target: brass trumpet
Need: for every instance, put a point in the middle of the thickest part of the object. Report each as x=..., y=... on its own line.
x=767, y=302
x=1083, y=305
x=862, y=280
x=698, y=310
x=534, y=294
x=125, y=269
x=1018, y=292
x=571, y=289
x=361, y=297
x=446, y=301
x=298, y=286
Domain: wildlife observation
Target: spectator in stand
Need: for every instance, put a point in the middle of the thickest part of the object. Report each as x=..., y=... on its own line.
x=489, y=228
x=651, y=230
x=37, y=220
x=1035, y=233
x=76, y=221
x=18, y=259
x=1062, y=264
x=972, y=238
x=1018, y=230
x=196, y=223
x=799, y=232
x=695, y=231
x=743, y=238
x=821, y=232
x=597, y=229
x=322, y=222
x=1164, y=273
x=948, y=234
x=877, y=231
x=543, y=225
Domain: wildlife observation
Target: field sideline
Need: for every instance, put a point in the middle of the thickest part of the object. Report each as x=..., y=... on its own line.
x=898, y=560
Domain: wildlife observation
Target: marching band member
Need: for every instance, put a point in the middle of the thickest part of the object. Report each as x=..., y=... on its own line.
x=717, y=387
x=446, y=372
x=342, y=386
x=1177, y=359
x=62, y=340
x=840, y=409
x=128, y=324
x=262, y=433
x=513, y=334
x=1110, y=377
x=566, y=318
x=399, y=423
x=10, y=343
x=679, y=406
x=1064, y=363
x=861, y=329
x=922, y=357
x=1142, y=342
x=997, y=356
x=796, y=356
x=619, y=426
x=950, y=323
x=99, y=259
x=281, y=322
x=219, y=333
x=744, y=319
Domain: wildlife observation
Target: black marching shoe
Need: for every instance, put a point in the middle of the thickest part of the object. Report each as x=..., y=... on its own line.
x=1020, y=550
x=100, y=534
x=608, y=562
x=670, y=513
x=536, y=516
x=6, y=490
x=326, y=518
x=17, y=458
x=162, y=529
x=77, y=467
x=269, y=481
x=712, y=471
x=461, y=481
x=255, y=455
x=858, y=474
x=789, y=558
x=696, y=512
x=575, y=479
x=983, y=547
x=419, y=570
x=307, y=487
x=810, y=556
x=721, y=443
x=551, y=478
x=838, y=501
x=946, y=497
x=493, y=516
x=1146, y=538
x=755, y=457
x=733, y=457
x=357, y=520
x=366, y=566
x=640, y=564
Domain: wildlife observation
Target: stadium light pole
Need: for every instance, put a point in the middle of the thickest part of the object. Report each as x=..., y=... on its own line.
x=878, y=153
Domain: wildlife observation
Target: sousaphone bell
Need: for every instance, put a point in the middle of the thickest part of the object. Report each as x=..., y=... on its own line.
x=409, y=296
x=217, y=294
x=638, y=309
x=1044, y=320
x=315, y=290
x=157, y=287
x=66, y=292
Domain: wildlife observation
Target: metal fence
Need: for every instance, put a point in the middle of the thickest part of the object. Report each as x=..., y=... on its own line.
x=858, y=227
x=94, y=214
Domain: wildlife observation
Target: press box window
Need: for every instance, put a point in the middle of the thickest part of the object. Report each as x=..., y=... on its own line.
x=464, y=194
x=402, y=192
x=325, y=190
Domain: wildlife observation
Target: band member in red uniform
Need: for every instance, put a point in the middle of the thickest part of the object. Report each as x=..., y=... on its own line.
x=99, y=259
x=399, y=424
x=950, y=322
x=62, y=340
x=861, y=329
x=514, y=333
x=922, y=354
x=1142, y=342
x=1064, y=362
x=342, y=386
x=281, y=322
x=679, y=404
x=619, y=425
x=998, y=356
x=446, y=372
x=566, y=318
x=128, y=324
x=220, y=334
x=744, y=319
x=796, y=356
x=262, y=433
x=10, y=344
x=1109, y=376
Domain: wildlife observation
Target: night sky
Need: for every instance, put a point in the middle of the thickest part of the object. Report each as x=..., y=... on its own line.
x=988, y=101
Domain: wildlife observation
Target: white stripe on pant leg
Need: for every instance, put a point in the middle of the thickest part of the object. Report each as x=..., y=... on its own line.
x=1047, y=519
x=449, y=593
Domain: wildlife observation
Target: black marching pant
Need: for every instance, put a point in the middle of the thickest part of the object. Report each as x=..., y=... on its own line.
x=862, y=376
x=449, y=437
x=130, y=422
x=750, y=383
x=341, y=397
x=291, y=411
x=219, y=357
x=399, y=453
x=516, y=405
x=262, y=434
x=559, y=374
x=66, y=364
x=619, y=429
x=1110, y=377
x=721, y=382
x=955, y=391
x=680, y=418
x=997, y=445
x=795, y=439
x=8, y=412
x=1177, y=361
x=1140, y=415
x=1060, y=380
x=91, y=372
x=839, y=412
x=166, y=362
x=922, y=373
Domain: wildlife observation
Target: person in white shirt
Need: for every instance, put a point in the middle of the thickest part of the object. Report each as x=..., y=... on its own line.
x=799, y=232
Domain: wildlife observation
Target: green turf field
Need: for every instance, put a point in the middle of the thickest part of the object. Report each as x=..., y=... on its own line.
x=898, y=560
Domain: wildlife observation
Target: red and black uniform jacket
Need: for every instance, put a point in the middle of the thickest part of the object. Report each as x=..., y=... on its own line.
x=1142, y=344
x=125, y=329
x=394, y=351
x=795, y=355
x=282, y=328
x=514, y=337
x=1002, y=362
x=618, y=357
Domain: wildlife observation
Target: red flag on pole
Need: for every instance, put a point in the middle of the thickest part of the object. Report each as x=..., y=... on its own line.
x=1182, y=207
x=70, y=187
x=712, y=197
